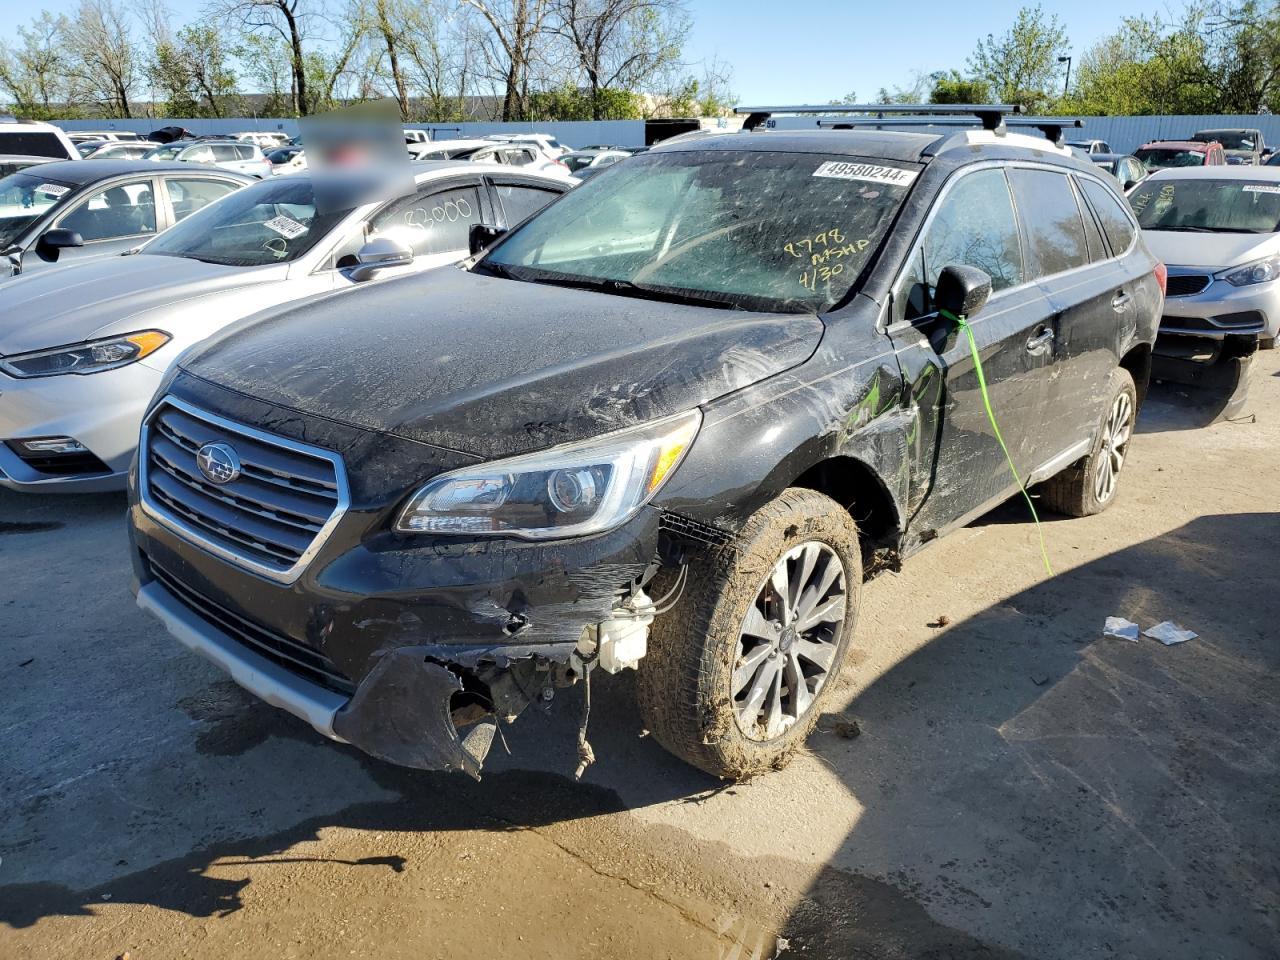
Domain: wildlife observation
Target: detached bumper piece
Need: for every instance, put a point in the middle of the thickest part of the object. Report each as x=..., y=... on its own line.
x=402, y=713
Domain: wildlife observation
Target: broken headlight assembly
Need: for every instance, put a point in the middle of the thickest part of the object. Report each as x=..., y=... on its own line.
x=1260, y=271
x=82, y=358
x=566, y=491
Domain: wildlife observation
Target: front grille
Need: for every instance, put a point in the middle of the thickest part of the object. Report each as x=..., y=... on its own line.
x=1244, y=320
x=1186, y=284
x=269, y=518
x=294, y=657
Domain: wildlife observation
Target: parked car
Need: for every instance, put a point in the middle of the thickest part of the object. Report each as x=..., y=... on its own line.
x=1126, y=168
x=412, y=135
x=115, y=149
x=1163, y=154
x=234, y=155
x=84, y=136
x=10, y=163
x=83, y=350
x=63, y=212
x=1218, y=230
x=548, y=144
x=587, y=162
x=266, y=139
x=668, y=422
x=33, y=138
x=288, y=159
x=528, y=156
x=1091, y=146
x=1240, y=145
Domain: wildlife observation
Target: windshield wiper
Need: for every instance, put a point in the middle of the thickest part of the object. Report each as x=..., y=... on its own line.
x=626, y=288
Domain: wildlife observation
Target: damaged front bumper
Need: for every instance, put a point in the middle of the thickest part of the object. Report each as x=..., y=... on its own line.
x=401, y=712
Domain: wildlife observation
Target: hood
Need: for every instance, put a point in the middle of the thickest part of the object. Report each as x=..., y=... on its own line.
x=495, y=367
x=70, y=304
x=1213, y=251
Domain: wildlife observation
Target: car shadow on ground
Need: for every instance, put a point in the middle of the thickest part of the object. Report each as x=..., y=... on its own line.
x=1064, y=787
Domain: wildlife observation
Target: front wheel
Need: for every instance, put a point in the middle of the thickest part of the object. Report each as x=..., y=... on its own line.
x=1090, y=486
x=737, y=673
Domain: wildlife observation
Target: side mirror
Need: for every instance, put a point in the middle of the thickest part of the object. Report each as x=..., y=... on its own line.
x=53, y=242
x=378, y=254
x=961, y=290
x=1129, y=185
x=482, y=236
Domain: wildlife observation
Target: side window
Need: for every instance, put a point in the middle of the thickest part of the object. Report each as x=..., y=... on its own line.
x=198, y=155
x=225, y=151
x=188, y=196
x=1117, y=224
x=244, y=151
x=127, y=210
x=519, y=202
x=1051, y=220
x=519, y=158
x=436, y=223
x=974, y=225
x=1092, y=233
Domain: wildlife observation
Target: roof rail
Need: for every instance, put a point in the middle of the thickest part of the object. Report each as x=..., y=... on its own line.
x=991, y=114
x=1051, y=127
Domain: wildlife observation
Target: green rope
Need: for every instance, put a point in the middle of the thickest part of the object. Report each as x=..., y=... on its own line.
x=991, y=415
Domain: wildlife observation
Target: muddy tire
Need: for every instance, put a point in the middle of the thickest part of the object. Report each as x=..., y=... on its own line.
x=737, y=673
x=1090, y=485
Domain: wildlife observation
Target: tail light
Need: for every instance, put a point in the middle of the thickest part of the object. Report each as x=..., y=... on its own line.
x=1162, y=276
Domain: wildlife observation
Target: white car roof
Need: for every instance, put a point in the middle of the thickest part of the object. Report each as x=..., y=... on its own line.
x=1226, y=172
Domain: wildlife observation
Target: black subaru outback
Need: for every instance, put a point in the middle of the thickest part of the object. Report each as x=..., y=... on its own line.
x=671, y=422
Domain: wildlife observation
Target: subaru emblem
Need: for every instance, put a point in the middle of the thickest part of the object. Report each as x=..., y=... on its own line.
x=218, y=462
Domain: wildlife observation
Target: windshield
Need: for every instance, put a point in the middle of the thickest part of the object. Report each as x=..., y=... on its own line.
x=270, y=222
x=24, y=199
x=788, y=232
x=168, y=152
x=1158, y=158
x=1208, y=206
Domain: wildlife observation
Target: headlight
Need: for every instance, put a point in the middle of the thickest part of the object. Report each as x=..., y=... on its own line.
x=92, y=357
x=567, y=491
x=1260, y=271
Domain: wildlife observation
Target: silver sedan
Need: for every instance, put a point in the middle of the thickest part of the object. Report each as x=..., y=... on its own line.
x=83, y=349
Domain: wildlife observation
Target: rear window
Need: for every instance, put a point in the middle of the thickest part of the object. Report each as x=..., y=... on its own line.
x=1117, y=224
x=1050, y=220
x=1161, y=158
x=33, y=143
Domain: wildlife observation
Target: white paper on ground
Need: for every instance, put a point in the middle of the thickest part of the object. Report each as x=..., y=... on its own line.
x=1169, y=633
x=1120, y=628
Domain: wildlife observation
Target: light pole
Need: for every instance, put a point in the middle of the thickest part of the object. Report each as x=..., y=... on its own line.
x=1066, y=83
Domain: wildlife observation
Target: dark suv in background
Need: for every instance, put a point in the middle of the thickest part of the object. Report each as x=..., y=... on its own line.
x=670, y=422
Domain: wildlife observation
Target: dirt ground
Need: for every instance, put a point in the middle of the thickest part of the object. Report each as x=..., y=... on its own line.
x=1021, y=786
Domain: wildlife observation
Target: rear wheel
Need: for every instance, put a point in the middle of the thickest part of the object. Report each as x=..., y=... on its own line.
x=736, y=675
x=1090, y=485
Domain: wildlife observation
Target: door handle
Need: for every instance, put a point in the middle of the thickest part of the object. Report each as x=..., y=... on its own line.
x=1120, y=300
x=1038, y=342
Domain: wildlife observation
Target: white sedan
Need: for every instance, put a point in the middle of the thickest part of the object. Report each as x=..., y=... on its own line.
x=83, y=349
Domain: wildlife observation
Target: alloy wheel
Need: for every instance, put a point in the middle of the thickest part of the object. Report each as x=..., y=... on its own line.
x=788, y=641
x=1115, y=446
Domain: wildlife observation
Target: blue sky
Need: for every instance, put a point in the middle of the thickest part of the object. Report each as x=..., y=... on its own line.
x=786, y=52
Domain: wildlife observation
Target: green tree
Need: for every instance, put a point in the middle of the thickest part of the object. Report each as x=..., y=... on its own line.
x=192, y=72
x=33, y=74
x=1021, y=65
x=951, y=87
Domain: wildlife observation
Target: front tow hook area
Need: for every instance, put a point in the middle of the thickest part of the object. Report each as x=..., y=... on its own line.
x=401, y=713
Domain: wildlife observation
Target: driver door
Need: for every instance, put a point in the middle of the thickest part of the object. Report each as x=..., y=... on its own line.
x=960, y=468
x=110, y=220
x=435, y=222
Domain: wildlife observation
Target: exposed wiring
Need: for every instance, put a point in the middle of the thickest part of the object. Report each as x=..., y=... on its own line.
x=991, y=415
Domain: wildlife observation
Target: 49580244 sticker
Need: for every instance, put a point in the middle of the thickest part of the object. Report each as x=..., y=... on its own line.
x=870, y=172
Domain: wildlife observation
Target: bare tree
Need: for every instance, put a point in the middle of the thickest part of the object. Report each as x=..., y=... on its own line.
x=104, y=63
x=620, y=44
x=33, y=74
x=516, y=27
x=287, y=19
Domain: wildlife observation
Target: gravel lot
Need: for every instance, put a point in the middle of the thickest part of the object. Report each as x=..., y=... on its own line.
x=1021, y=786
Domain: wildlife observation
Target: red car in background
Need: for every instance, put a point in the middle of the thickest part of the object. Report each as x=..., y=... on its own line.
x=1162, y=154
